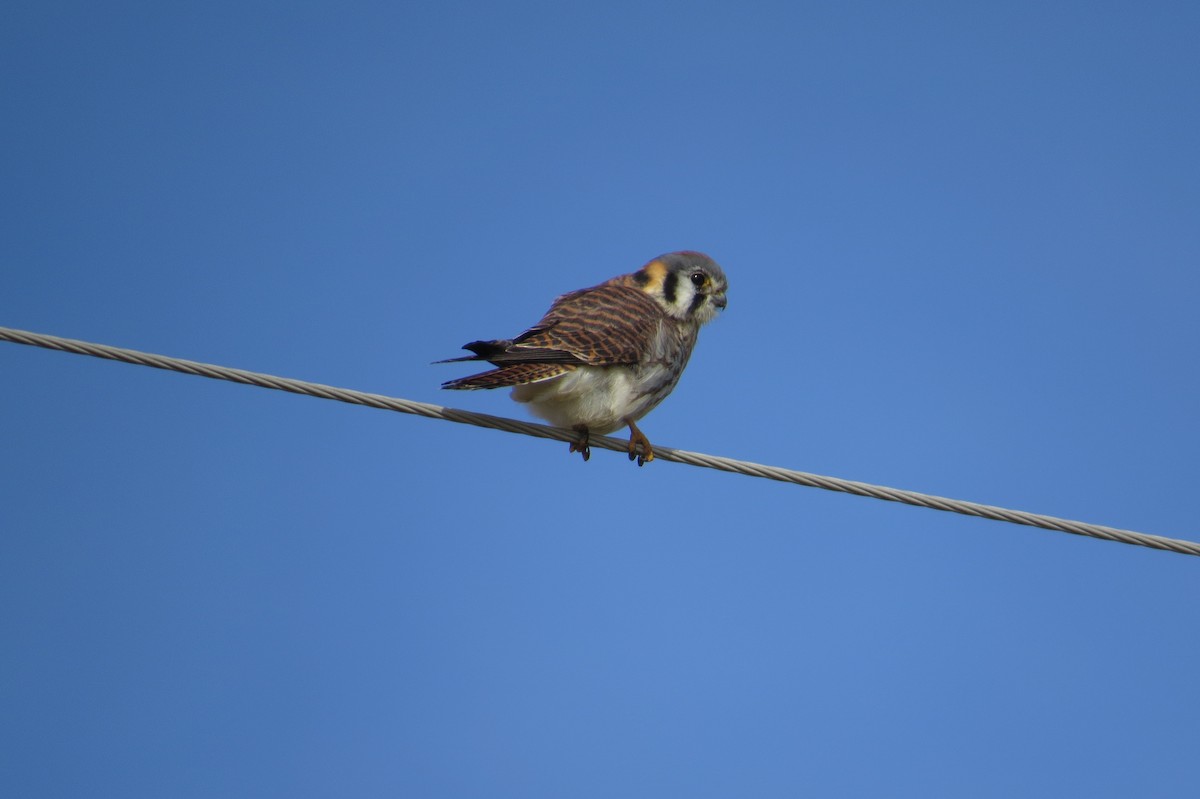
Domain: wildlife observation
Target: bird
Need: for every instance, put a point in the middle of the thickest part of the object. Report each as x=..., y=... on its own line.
x=603, y=357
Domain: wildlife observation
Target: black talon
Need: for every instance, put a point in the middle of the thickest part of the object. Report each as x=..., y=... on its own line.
x=581, y=446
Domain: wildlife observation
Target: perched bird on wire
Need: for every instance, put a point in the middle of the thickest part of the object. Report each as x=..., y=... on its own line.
x=605, y=356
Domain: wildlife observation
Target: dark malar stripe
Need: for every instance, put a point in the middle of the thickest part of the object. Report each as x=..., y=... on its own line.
x=697, y=301
x=670, y=283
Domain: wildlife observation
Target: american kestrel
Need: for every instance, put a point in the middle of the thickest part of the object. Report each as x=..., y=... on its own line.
x=605, y=356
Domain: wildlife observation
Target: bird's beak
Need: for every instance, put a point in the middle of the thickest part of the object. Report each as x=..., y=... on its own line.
x=719, y=301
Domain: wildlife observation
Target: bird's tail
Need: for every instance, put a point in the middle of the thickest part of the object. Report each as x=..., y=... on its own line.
x=514, y=375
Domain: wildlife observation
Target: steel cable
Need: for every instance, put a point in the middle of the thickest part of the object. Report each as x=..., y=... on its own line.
x=602, y=442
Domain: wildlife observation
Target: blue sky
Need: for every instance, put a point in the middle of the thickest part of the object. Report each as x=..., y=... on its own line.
x=962, y=243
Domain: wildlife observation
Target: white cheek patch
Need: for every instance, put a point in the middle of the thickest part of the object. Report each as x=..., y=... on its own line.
x=684, y=295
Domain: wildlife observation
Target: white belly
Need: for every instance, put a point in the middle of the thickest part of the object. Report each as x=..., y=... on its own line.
x=600, y=399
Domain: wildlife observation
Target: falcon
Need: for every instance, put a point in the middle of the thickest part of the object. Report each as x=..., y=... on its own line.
x=604, y=357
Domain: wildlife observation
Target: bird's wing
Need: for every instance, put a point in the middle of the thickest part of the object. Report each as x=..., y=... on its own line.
x=606, y=325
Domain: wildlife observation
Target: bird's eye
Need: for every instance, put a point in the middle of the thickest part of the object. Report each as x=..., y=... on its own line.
x=697, y=279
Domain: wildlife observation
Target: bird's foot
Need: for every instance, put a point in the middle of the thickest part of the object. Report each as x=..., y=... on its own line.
x=581, y=446
x=637, y=437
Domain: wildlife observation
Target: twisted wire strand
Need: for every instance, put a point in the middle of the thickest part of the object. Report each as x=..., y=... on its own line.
x=700, y=459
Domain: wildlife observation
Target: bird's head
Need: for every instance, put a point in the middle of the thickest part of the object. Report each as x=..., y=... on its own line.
x=688, y=285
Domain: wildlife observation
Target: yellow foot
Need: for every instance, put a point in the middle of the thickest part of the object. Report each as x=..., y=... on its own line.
x=581, y=446
x=636, y=437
